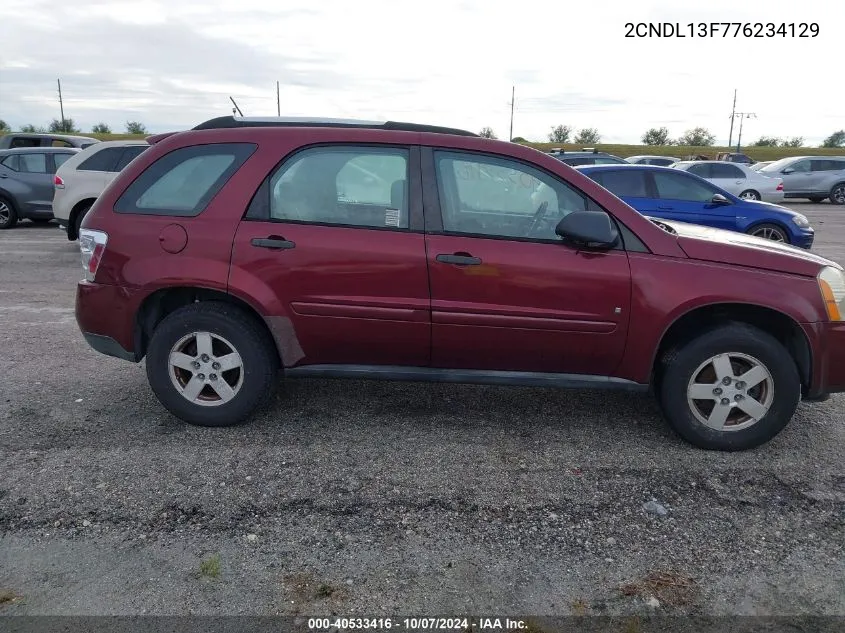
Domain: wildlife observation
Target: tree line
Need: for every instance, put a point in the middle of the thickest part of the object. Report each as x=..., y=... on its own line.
x=698, y=137
x=67, y=126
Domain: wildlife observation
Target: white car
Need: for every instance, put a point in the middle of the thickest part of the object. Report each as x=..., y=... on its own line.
x=663, y=161
x=736, y=178
x=81, y=179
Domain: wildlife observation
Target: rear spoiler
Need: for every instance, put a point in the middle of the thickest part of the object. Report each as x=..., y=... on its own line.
x=155, y=138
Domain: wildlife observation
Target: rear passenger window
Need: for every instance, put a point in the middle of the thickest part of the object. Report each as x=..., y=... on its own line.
x=60, y=159
x=11, y=162
x=183, y=182
x=129, y=154
x=352, y=186
x=33, y=163
x=103, y=160
x=625, y=183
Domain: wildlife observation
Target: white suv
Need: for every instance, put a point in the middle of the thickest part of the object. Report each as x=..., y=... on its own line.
x=81, y=179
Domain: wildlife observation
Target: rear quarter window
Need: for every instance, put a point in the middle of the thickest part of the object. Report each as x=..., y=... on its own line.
x=184, y=181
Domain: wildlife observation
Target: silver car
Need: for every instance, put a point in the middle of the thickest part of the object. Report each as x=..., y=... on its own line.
x=738, y=179
x=812, y=177
x=663, y=161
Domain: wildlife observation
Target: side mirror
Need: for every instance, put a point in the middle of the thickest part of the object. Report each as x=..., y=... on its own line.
x=719, y=199
x=593, y=229
x=788, y=170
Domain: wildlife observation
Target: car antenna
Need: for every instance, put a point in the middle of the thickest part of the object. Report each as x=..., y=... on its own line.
x=236, y=109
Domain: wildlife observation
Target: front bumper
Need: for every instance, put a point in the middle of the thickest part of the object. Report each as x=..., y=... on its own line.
x=827, y=341
x=106, y=316
x=804, y=238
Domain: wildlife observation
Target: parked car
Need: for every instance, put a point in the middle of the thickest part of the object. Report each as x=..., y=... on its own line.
x=733, y=157
x=663, y=161
x=26, y=183
x=27, y=139
x=812, y=177
x=588, y=156
x=758, y=166
x=674, y=194
x=82, y=179
x=243, y=249
x=739, y=179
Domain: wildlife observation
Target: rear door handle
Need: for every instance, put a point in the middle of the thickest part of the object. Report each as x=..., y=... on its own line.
x=459, y=259
x=274, y=242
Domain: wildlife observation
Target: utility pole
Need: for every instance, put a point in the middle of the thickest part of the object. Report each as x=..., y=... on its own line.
x=733, y=113
x=742, y=116
x=278, y=101
x=61, y=105
x=513, y=93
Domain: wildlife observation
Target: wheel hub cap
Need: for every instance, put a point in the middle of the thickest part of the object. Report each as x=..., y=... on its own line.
x=769, y=234
x=730, y=392
x=206, y=369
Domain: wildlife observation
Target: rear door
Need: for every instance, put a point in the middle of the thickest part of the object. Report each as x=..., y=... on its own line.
x=95, y=172
x=506, y=293
x=729, y=177
x=333, y=247
x=682, y=196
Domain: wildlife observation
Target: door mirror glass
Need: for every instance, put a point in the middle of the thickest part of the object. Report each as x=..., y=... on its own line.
x=593, y=229
x=719, y=199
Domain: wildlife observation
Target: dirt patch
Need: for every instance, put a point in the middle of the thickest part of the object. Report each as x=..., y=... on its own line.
x=669, y=587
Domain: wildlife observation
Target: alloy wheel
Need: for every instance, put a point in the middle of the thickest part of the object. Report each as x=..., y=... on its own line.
x=730, y=392
x=838, y=194
x=769, y=233
x=206, y=369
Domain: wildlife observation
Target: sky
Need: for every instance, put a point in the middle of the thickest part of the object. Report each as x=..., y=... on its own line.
x=172, y=65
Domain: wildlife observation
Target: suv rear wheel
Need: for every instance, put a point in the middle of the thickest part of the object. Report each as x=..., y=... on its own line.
x=211, y=363
x=732, y=388
x=8, y=215
x=837, y=193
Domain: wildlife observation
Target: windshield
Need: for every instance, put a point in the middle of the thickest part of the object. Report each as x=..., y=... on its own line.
x=778, y=164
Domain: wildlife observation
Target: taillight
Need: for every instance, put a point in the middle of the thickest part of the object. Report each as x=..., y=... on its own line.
x=58, y=182
x=779, y=187
x=92, y=245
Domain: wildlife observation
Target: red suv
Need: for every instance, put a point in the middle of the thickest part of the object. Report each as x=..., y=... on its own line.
x=247, y=247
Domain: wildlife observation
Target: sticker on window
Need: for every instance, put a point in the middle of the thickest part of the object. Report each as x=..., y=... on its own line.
x=391, y=217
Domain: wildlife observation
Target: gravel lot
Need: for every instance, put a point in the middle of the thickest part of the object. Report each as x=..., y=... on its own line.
x=374, y=498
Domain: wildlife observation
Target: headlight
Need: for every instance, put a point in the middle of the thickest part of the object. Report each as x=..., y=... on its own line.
x=801, y=220
x=832, y=285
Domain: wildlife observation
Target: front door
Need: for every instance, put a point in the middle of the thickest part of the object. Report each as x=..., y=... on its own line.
x=682, y=196
x=506, y=293
x=799, y=178
x=329, y=246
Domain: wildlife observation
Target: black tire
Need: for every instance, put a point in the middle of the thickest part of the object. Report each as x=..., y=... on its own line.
x=247, y=336
x=80, y=215
x=681, y=363
x=817, y=199
x=8, y=214
x=750, y=194
x=41, y=221
x=837, y=193
x=768, y=232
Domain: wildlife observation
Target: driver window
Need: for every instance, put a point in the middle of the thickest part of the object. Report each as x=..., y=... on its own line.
x=484, y=195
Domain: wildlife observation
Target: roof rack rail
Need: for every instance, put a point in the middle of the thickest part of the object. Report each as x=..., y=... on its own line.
x=233, y=121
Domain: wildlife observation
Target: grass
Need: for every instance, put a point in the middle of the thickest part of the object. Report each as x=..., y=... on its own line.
x=210, y=567
x=668, y=587
x=623, y=151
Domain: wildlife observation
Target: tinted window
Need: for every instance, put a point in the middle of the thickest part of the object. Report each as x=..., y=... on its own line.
x=828, y=165
x=607, y=160
x=33, y=163
x=11, y=162
x=702, y=170
x=353, y=186
x=624, y=182
x=103, y=160
x=680, y=186
x=183, y=182
x=726, y=171
x=799, y=166
x=662, y=162
x=25, y=142
x=492, y=196
x=573, y=162
x=57, y=142
x=129, y=153
x=60, y=159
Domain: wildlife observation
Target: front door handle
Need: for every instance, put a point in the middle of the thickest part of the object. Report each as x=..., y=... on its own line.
x=274, y=242
x=459, y=259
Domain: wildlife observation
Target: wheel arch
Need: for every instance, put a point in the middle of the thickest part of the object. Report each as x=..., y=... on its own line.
x=75, y=210
x=774, y=222
x=162, y=302
x=701, y=318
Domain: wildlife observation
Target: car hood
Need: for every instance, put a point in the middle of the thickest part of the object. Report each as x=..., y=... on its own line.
x=731, y=247
x=772, y=208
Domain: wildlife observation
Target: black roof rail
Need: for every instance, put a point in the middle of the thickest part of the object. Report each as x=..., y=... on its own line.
x=224, y=122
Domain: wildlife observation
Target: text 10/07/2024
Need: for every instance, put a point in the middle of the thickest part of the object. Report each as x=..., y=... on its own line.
x=721, y=29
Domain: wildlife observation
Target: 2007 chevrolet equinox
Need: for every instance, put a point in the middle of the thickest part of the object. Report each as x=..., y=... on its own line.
x=244, y=247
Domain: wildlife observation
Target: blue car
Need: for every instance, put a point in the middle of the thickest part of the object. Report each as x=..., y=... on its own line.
x=673, y=194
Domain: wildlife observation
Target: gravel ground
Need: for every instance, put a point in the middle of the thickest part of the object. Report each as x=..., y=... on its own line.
x=372, y=498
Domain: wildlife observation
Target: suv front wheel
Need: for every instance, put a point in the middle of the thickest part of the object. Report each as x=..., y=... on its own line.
x=732, y=388
x=211, y=363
